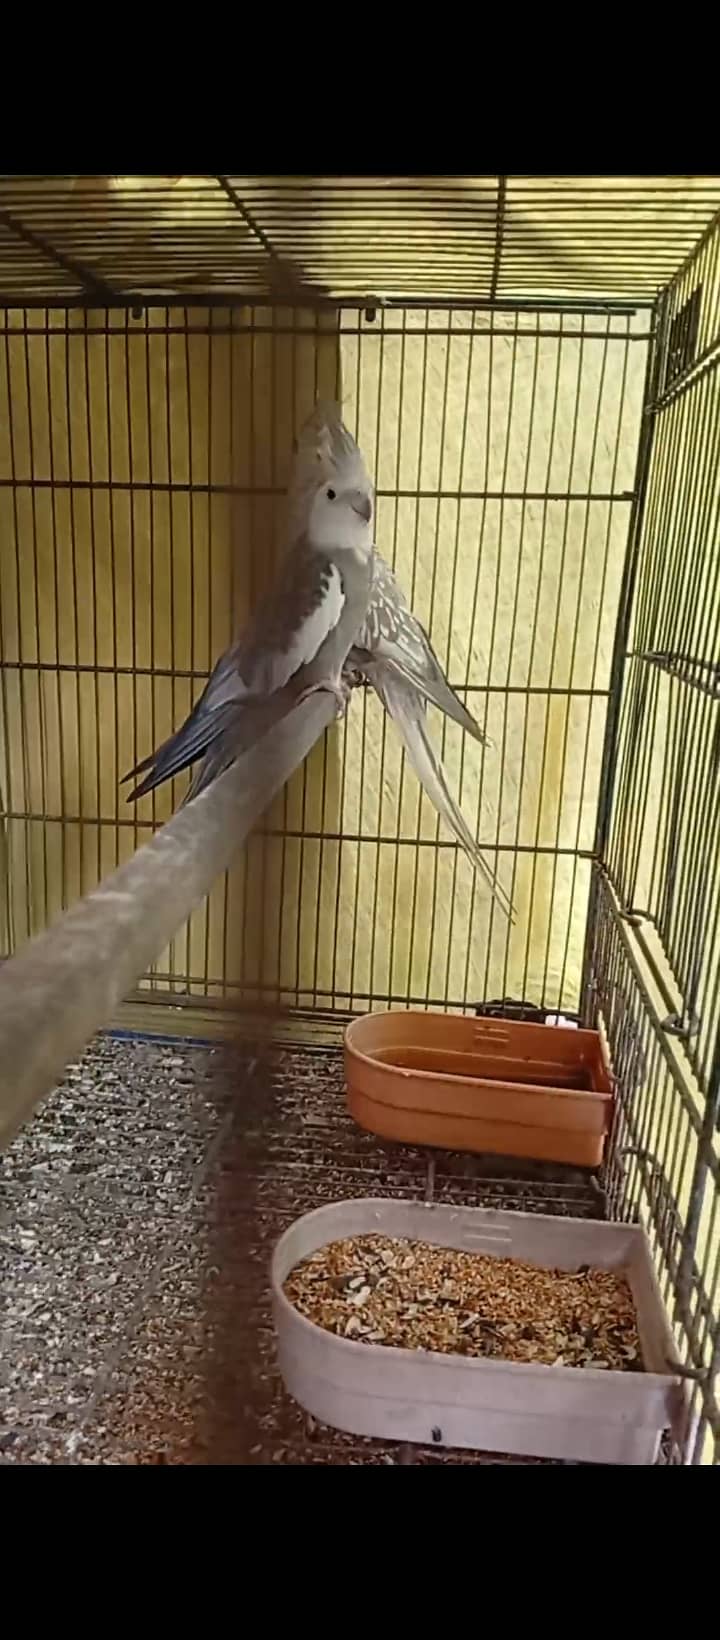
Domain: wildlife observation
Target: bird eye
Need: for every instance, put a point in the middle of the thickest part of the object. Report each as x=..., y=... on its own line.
x=331, y=495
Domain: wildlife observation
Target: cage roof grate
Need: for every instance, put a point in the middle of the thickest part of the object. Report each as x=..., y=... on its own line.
x=440, y=240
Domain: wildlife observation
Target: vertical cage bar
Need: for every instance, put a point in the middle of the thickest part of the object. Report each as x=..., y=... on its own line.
x=622, y=630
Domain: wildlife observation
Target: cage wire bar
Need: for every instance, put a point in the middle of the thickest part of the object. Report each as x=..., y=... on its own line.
x=654, y=924
x=328, y=239
x=502, y=355
x=141, y=459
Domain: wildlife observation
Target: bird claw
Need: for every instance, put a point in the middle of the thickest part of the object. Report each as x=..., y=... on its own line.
x=341, y=693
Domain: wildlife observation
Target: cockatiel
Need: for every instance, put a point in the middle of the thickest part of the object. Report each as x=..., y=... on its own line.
x=297, y=641
x=392, y=650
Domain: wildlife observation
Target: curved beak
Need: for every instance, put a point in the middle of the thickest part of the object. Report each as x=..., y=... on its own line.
x=361, y=504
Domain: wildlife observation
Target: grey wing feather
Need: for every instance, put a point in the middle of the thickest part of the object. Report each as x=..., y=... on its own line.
x=246, y=725
x=393, y=635
x=291, y=623
x=285, y=633
x=407, y=710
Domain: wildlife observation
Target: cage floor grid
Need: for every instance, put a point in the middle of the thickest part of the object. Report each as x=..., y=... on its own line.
x=137, y=1216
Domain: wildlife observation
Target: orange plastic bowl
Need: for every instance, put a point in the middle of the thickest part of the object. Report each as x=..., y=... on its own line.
x=485, y=1085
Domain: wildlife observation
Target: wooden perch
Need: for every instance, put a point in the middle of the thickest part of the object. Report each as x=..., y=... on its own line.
x=67, y=983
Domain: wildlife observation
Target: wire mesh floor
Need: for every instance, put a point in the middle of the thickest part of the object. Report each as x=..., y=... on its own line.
x=137, y=1217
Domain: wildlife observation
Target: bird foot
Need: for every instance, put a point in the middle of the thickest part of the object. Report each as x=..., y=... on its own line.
x=340, y=692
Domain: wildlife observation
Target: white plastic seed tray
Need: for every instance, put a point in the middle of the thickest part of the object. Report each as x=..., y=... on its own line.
x=582, y=1414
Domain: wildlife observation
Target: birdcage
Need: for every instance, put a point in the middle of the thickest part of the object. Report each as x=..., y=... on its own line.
x=530, y=366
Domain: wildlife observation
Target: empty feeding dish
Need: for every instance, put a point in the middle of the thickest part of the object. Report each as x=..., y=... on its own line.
x=488, y=1085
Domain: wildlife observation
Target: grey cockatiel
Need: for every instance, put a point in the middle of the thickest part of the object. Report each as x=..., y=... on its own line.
x=392, y=650
x=297, y=641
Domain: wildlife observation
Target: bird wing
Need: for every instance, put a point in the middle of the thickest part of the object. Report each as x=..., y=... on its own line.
x=407, y=710
x=291, y=623
x=240, y=699
x=393, y=635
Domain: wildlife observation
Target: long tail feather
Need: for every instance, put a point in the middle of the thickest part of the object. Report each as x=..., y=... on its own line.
x=407, y=711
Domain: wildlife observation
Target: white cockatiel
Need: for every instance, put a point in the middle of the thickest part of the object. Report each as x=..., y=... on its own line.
x=297, y=641
x=392, y=651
